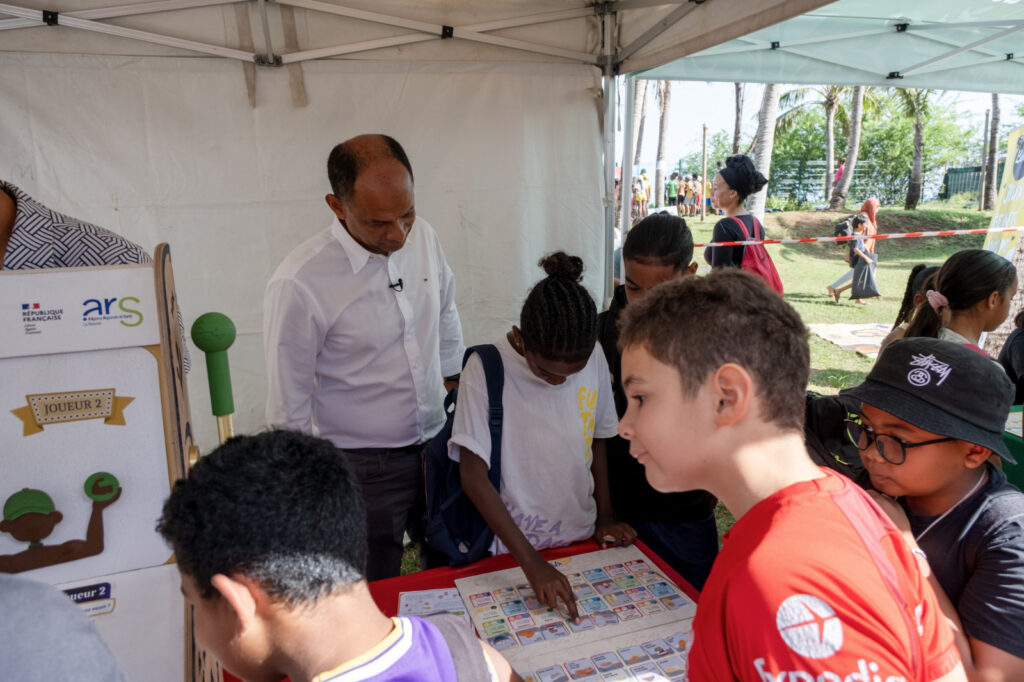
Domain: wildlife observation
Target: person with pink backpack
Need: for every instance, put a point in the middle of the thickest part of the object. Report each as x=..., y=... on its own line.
x=733, y=183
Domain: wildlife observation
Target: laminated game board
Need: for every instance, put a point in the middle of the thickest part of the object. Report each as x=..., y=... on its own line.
x=635, y=622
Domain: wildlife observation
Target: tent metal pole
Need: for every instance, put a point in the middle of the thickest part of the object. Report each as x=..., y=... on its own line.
x=268, y=56
x=626, y=181
x=542, y=18
x=961, y=50
x=584, y=57
x=965, y=24
x=639, y=4
x=321, y=53
x=120, y=11
x=611, y=107
x=134, y=34
x=653, y=32
x=143, y=8
x=999, y=56
x=375, y=17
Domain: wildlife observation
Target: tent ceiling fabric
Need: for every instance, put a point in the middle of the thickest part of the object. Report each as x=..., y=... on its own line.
x=975, y=45
x=647, y=32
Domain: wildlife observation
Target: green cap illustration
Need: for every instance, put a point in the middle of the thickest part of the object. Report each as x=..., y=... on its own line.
x=27, y=501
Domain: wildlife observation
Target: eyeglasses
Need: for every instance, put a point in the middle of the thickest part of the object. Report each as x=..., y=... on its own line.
x=890, y=448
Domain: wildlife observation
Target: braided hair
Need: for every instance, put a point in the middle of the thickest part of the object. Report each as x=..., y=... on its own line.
x=559, y=318
x=915, y=285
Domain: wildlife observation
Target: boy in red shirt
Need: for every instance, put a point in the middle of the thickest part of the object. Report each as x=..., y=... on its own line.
x=814, y=583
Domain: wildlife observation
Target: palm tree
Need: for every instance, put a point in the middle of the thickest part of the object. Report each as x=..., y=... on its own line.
x=827, y=96
x=763, y=143
x=838, y=200
x=738, y=124
x=991, y=169
x=915, y=104
x=664, y=95
x=639, y=116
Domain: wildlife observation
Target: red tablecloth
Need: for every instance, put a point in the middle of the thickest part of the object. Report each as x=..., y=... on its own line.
x=385, y=592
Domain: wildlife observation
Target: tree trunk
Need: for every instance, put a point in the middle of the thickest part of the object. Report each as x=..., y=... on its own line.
x=838, y=200
x=664, y=96
x=830, y=146
x=763, y=143
x=639, y=116
x=991, y=163
x=914, y=189
x=738, y=124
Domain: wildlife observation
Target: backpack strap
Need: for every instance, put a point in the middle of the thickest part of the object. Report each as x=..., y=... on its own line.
x=467, y=654
x=494, y=375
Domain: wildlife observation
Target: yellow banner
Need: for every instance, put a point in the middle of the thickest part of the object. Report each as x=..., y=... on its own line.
x=1009, y=211
x=42, y=409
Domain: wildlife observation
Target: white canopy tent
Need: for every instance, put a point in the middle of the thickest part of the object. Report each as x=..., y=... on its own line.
x=206, y=124
x=974, y=45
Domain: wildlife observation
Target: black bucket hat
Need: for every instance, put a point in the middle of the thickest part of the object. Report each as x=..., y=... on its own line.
x=942, y=387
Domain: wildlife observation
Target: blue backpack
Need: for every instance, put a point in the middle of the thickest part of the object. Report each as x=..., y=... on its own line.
x=454, y=527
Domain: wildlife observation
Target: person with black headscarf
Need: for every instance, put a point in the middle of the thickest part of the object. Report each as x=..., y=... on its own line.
x=733, y=183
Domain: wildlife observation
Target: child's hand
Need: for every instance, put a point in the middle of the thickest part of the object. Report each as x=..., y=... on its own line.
x=614, y=534
x=550, y=585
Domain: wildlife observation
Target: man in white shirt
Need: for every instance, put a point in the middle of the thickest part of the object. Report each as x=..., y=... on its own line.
x=361, y=331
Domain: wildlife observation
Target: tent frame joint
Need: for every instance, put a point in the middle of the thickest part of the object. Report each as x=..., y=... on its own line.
x=50, y=17
x=447, y=32
x=267, y=60
x=895, y=75
x=902, y=27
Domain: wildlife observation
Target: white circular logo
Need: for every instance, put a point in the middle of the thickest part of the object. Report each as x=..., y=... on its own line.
x=809, y=626
x=919, y=377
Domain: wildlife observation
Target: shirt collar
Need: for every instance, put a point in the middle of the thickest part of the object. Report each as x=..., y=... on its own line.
x=357, y=255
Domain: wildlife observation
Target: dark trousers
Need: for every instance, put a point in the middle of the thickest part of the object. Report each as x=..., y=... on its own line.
x=392, y=483
x=689, y=548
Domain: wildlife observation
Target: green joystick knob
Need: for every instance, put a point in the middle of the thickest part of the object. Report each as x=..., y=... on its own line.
x=214, y=333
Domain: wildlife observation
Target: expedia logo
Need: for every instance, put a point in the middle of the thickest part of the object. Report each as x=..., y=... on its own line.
x=812, y=629
x=100, y=310
x=809, y=626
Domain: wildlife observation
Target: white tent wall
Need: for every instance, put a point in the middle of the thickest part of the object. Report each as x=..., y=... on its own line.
x=507, y=158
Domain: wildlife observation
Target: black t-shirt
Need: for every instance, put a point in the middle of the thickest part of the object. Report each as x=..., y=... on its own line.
x=977, y=555
x=633, y=498
x=1011, y=357
x=728, y=230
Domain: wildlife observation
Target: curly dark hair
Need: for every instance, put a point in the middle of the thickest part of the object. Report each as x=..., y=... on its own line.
x=282, y=507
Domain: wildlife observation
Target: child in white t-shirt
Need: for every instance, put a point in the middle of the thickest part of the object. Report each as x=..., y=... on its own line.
x=558, y=410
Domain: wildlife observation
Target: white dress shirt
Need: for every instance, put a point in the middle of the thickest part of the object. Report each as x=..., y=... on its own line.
x=350, y=353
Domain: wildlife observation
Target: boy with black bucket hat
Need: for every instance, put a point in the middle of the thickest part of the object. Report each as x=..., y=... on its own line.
x=932, y=414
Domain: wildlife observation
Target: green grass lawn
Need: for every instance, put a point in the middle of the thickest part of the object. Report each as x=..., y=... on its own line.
x=806, y=269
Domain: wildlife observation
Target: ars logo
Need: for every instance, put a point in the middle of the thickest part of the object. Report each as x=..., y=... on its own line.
x=809, y=626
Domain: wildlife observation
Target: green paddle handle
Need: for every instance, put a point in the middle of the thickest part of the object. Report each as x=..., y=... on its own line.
x=213, y=333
